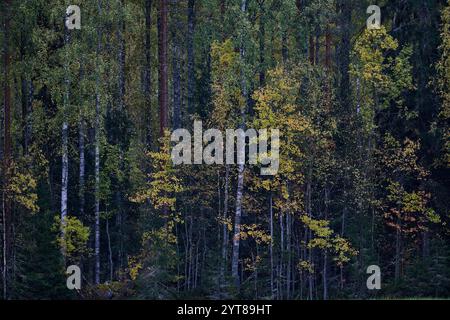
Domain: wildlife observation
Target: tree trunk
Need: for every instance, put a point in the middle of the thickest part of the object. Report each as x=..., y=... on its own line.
x=262, y=41
x=271, y=243
x=345, y=8
x=308, y=232
x=122, y=110
x=81, y=147
x=397, y=256
x=162, y=67
x=240, y=178
x=225, y=226
x=64, y=136
x=328, y=48
x=97, y=160
x=281, y=260
x=7, y=158
x=121, y=57
x=82, y=166
x=26, y=92
x=111, y=265
x=97, y=187
x=325, y=253
x=289, y=256
x=148, y=72
x=176, y=79
x=27, y=96
x=190, y=56
x=237, y=226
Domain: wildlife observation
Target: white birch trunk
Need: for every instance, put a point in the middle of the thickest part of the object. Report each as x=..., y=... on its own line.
x=64, y=143
x=97, y=163
x=240, y=181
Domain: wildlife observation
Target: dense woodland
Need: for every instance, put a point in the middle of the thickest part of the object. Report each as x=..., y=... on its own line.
x=87, y=178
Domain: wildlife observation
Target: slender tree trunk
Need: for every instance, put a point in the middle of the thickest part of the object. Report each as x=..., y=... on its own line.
x=325, y=253
x=97, y=189
x=289, y=256
x=397, y=256
x=344, y=212
x=225, y=226
x=324, y=275
x=24, y=102
x=121, y=56
x=271, y=243
x=122, y=110
x=343, y=64
x=191, y=251
x=97, y=158
x=162, y=67
x=148, y=71
x=328, y=84
x=282, y=253
x=26, y=109
x=256, y=273
x=262, y=42
x=240, y=178
x=26, y=94
x=64, y=136
x=237, y=226
x=190, y=56
x=308, y=232
x=328, y=48
x=345, y=8
x=111, y=265
x=82, y=165
x=176, y=79
x=186, y=251
x=81, y=147
x=7, y=157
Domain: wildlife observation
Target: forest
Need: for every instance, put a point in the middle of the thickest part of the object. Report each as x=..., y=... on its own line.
x=88, y=181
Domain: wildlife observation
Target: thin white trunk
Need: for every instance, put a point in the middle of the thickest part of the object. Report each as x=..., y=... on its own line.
x=65, y=152
x=97, y=187
x=240, y=179
x=97, y=163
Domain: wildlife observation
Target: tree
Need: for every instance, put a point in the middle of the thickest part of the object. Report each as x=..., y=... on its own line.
x=163, y=66
x=241, y=167
x=7, y=155
x=158, y=266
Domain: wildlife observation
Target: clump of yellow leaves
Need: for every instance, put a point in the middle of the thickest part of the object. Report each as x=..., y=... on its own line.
x=325, y=239
x=134, y=265
x=21, y=188
x=406, y=210
x=382, y=73
x=73, y=237
x=253, y=231
x=164, y=183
